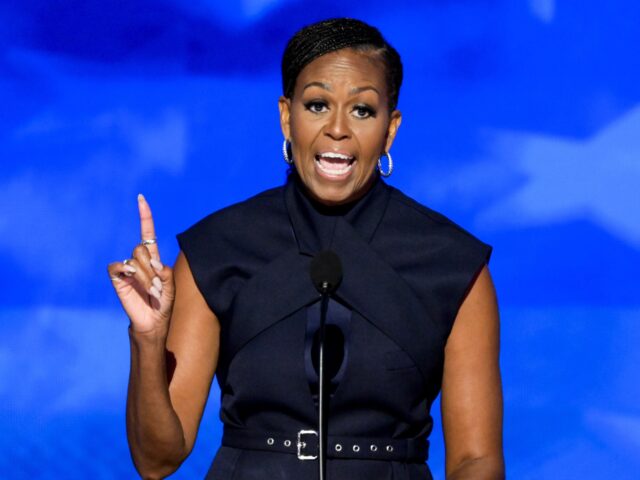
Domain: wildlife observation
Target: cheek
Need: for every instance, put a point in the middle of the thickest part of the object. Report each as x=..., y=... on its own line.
x=302, y=134
x=372, y=141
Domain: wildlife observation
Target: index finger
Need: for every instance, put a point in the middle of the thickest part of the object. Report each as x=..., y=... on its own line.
x=147, y=230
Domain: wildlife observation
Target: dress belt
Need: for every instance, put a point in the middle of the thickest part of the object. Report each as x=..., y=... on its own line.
x=304, y=444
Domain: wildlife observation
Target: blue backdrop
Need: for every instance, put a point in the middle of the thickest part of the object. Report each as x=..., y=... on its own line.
x=521, y=122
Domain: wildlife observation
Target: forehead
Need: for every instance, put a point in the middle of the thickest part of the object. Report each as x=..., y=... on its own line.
x=344, y=66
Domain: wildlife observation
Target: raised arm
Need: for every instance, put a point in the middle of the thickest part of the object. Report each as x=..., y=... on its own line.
x=471, y=388
x=174, y=340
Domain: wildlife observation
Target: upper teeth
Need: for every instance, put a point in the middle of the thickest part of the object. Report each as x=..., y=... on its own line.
x=335, y=155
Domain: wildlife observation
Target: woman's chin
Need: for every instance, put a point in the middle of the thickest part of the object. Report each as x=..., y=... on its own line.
x=335, y=194
x=334, y=189
x=331, y=194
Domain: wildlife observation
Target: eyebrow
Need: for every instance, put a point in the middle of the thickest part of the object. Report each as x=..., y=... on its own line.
x=353, y=91
x=356, y=90
x=317, y=84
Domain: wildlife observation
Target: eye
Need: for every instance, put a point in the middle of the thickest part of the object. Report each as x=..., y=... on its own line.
x=316, y=106
x=363, y=111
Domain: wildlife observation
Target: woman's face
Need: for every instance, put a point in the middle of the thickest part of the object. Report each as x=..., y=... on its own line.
x=339, y=124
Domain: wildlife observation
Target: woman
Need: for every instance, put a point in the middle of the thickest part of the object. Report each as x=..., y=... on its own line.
x=415, y=312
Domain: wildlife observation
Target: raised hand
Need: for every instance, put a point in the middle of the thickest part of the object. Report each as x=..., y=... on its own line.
x=143, y=284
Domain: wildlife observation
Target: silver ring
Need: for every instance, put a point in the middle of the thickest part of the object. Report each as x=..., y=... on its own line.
x=150, y=241
x=126, y=261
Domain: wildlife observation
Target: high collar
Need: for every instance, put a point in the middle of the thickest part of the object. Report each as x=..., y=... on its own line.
x=314, y=224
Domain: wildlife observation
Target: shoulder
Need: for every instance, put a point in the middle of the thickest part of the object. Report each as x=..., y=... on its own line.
x=257, y=227
x=408, y=215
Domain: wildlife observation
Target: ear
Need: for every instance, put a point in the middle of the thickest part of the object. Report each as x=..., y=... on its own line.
x=284, y=105
x=394, y=123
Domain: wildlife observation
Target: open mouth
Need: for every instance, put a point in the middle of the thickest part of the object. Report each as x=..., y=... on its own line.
x=335, y=164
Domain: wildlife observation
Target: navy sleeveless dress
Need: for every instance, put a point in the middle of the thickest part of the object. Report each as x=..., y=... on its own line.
x=406, y=270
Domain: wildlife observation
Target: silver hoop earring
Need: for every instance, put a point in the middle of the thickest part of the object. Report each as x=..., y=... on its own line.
x=390, y=170
x=285, y=152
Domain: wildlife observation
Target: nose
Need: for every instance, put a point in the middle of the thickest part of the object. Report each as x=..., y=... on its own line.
x=337, y=126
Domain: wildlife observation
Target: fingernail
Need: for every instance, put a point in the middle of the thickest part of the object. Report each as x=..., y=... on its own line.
x=157, y=283
x=154, y=292
x=140, y=197
x=130, y=269
x=115, y=278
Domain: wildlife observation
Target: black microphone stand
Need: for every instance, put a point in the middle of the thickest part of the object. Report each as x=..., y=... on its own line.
x=326, y=275
x=322, y=432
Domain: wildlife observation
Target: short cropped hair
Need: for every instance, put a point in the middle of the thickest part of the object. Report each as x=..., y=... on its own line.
x=335, y=34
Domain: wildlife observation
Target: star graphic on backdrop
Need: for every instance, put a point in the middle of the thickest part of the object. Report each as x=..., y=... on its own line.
x=597, y=179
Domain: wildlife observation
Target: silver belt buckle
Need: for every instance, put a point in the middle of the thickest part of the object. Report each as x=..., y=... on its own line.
x=301, y=444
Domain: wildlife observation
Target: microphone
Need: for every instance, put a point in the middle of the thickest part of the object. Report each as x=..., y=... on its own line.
x=326, y=275
x=326, y=271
